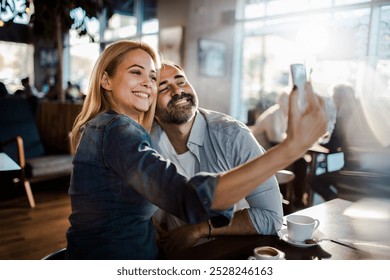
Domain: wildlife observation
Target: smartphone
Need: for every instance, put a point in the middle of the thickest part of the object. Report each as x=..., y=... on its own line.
x=298, y=75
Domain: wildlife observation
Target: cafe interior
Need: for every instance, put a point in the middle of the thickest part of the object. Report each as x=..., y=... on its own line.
x=237, y=55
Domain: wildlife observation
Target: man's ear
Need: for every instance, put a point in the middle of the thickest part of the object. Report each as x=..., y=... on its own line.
x=105, y=81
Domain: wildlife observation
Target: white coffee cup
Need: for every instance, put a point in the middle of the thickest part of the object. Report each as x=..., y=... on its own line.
x=300, y=227
x=266, y=253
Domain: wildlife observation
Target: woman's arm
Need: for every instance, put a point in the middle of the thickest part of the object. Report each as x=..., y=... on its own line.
x=188, y=235
x=304, y=129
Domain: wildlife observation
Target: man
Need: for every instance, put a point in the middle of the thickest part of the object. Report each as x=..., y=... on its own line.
x=197, y=140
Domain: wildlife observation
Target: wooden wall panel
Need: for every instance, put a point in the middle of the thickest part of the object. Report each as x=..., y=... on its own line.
x=55, y=121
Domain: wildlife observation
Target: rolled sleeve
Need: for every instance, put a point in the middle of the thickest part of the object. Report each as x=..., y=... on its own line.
x=206, y=193
x=266, y=212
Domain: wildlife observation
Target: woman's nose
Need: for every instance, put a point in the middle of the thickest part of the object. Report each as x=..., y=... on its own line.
x=147, y=83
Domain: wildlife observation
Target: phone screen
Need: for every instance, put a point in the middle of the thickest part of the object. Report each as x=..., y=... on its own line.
x=298, y=74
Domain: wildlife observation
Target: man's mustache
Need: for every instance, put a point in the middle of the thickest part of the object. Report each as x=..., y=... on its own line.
x=183, y=95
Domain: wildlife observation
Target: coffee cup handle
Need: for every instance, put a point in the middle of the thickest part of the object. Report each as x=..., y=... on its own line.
x=251, y=258
x=281, y=255
x=317, y=224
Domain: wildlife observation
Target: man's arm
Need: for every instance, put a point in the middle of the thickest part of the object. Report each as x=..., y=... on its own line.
x=266, y=211
x=240, y=225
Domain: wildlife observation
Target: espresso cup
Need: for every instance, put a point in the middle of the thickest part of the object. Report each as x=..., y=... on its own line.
x=300, y=227
x=266, y=253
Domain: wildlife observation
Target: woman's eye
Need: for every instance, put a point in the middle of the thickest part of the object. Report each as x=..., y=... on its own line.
x=162, y=90
x=136, y=72
x=153, y=78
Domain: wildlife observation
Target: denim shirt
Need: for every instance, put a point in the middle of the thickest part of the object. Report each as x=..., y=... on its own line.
x=116, y=184
x=220, y=143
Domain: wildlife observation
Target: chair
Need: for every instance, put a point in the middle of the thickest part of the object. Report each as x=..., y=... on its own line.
x=20, y=140
x=57, y=255
x=284, y=177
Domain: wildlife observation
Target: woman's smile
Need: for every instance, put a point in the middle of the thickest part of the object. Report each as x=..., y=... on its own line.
x=141, y=94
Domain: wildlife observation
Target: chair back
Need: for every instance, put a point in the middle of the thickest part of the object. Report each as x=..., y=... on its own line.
x=284, y=176
x=17, y=119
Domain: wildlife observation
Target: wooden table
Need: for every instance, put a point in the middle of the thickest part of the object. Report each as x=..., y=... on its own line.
x=334, y=224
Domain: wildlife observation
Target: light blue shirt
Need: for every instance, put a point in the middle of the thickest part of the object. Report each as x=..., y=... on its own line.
x=221, y=143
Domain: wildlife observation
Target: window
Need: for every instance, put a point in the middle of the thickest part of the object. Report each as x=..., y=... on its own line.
x=16, y=63
x=131, y=20
x=340, y=41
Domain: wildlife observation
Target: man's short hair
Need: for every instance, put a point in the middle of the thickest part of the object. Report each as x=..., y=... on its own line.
x=166, y=63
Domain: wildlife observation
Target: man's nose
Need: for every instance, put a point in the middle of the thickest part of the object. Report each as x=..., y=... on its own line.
x=176, y=91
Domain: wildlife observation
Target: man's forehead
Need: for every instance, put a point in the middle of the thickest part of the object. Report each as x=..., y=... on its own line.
x=170, y=71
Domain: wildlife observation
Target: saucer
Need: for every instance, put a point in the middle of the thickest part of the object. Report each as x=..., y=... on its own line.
x=284, y=236
x=282, y=258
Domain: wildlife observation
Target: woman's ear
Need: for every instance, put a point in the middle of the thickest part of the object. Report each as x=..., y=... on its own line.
x=105, y=81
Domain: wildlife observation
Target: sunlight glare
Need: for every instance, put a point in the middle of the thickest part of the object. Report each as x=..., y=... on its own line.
x=313, y=38
x=369, y=208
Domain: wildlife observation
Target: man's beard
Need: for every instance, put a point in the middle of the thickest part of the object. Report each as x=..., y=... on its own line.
x=180, y=114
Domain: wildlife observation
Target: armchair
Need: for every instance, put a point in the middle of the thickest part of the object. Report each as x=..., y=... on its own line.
x=19, y=139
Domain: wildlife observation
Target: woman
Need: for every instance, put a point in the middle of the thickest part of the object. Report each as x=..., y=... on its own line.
x=118, y=179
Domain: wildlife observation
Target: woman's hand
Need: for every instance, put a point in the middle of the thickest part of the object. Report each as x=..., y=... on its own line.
x=180, y=238
x=305, y=128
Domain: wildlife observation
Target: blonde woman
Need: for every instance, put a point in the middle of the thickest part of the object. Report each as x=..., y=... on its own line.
x=118, y=180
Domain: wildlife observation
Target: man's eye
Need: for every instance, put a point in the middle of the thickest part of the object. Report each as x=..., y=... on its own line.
x=153, y=78
x=181, y=82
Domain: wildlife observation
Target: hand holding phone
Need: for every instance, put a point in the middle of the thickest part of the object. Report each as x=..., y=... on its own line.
x=298, y=74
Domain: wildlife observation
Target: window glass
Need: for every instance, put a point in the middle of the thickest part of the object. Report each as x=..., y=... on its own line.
x=16, y=63
x=347, y=2
x=339, y=41
x=320, y=4
x=152, y=40
x=331, y=44
x=252, y=64
x=253, y=27
x=384, y=33
x=83, y=52
x=150, y=26
x=120, y=27
x=254, y=9
x=124, y=24
x=82, y=58
x=277, y=7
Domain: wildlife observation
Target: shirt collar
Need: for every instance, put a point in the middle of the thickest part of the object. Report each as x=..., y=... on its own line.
x=198, y=130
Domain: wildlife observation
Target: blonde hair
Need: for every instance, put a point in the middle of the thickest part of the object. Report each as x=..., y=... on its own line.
x=97, y=101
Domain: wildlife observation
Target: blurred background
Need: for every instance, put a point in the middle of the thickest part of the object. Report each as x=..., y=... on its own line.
x=252, y=42
x=236, y=54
